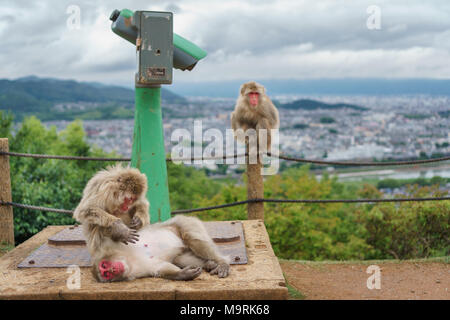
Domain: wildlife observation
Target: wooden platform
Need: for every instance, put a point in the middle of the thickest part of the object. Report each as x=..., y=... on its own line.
x=260, y=278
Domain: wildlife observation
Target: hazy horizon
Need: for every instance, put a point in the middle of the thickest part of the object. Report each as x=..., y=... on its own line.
x=343, y=86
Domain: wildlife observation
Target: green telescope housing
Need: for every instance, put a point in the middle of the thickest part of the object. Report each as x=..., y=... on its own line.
x=126, y=24
x=158, y=51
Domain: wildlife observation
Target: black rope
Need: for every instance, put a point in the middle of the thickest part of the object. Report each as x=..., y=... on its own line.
x=209, y=158
x=237, y=203
x=288, y=158
x=308, y=201
x=349, y=163
x=220, y=206
x=27, y=206
x=46, y=156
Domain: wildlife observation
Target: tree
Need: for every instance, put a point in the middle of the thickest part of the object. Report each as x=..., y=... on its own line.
x=59, y=183
x=47, y=182
x=327, y=120
x=6, y=120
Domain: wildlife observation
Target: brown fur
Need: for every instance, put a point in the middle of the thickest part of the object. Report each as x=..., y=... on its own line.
x=99, y=209
x=263, y=116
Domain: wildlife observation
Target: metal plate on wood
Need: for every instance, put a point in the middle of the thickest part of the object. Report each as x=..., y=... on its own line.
x=50, y=256
x=229, y=238
x=70, y=236
x=68, y=247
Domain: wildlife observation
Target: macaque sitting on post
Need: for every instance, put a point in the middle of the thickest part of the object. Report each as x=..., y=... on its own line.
x=177, y=249
x=254, y=110
x=113, y=206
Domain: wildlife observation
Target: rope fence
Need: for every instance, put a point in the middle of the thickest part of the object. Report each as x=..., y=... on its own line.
x=26, y=206
x=282, y=157
x=350, y=163
x=237, y=203
x=47, y=156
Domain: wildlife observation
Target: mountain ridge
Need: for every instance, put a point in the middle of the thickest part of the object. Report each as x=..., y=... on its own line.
x=308, y=104
x=33, y=95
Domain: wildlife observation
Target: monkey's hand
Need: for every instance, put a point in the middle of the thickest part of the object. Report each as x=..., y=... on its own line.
x=120, y=232
x=136, y=223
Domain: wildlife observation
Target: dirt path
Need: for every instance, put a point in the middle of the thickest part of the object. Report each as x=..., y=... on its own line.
x=399, y=280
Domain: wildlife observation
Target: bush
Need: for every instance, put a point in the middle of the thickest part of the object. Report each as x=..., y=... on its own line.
x=340, y=231
x=388, y=184
x=409, y=229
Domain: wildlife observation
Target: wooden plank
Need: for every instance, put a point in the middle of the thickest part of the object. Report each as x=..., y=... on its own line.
x=260, y=278
x=68, y=247
x=6, y=212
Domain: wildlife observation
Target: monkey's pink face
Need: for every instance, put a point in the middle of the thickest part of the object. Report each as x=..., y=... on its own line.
x=127, y=202
x=110, y=269
x=253, y=98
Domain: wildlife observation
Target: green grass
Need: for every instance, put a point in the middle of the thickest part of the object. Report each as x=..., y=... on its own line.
x=293, y=293
x=4, y=248
x=374, y=181
x=444, y=259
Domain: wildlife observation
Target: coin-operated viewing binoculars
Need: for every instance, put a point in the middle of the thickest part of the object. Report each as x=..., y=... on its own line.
x=158, y=51
x=158, y=48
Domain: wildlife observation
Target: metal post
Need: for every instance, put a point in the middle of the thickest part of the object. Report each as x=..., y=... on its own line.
x=148, y=153
x=6, y=212
x=255, y=187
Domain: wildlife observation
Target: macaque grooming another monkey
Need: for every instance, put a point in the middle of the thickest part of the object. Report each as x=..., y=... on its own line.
x=176, y=249
x=113, y=207
x=254, y=110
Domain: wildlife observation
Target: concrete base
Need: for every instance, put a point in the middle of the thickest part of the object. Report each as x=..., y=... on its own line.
x=261, y=278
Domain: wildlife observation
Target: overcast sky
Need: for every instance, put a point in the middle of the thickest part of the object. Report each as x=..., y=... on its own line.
x=253, y=39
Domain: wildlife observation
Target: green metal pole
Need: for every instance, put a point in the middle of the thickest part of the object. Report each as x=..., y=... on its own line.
x=148, y=153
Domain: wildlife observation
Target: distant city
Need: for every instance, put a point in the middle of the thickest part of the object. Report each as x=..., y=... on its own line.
x=395, y=127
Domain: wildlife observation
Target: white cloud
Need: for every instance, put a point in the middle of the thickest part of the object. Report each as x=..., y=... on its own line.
x=251, y=39
x=376, y=63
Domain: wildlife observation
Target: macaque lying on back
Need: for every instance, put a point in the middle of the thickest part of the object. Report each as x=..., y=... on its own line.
x=177, y=249
x=113, y=206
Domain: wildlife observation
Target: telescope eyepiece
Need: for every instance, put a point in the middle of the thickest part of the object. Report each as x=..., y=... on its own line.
x=114, y=15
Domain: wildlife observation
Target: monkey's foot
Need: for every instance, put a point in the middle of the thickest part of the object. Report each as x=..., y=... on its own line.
x=189, y=273
x=210, y=265
x=222, y=270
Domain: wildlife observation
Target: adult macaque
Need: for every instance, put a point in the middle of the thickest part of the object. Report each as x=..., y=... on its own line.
x=176, y=249
x=113, y=206
x=254, y=110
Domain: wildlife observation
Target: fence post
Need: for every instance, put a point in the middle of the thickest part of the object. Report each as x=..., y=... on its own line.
x=255, y=186
x=6, y=212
